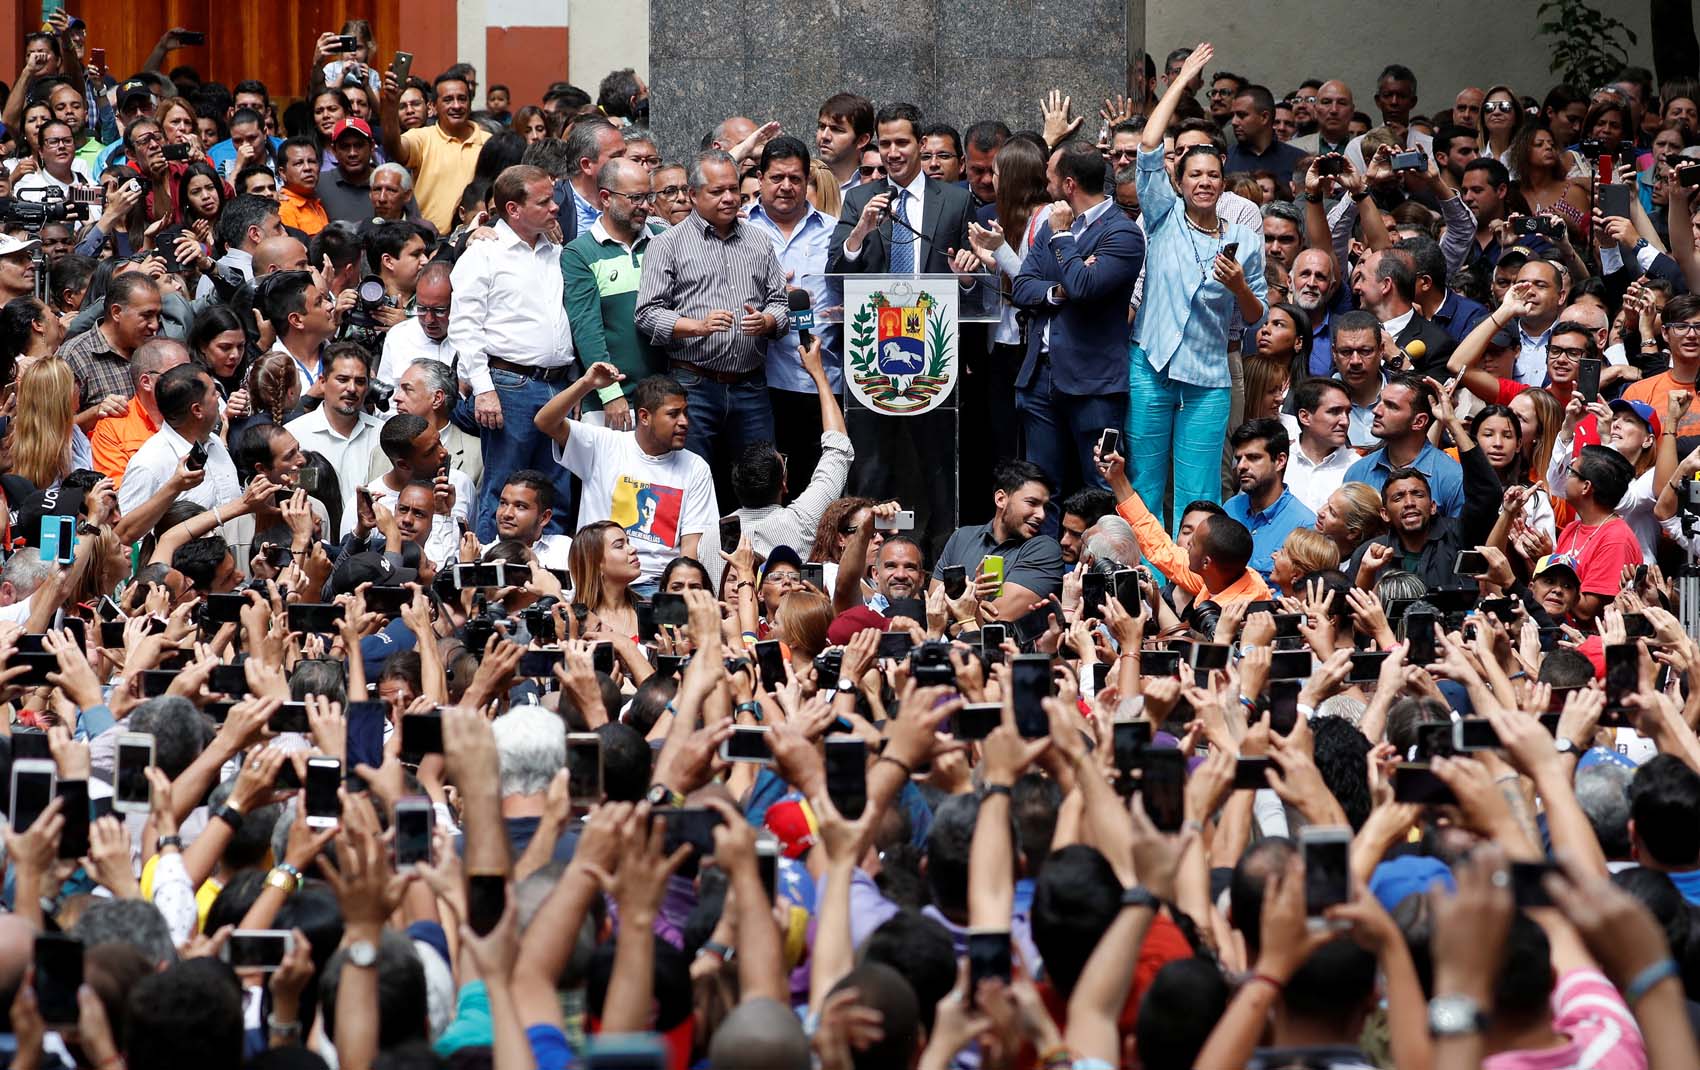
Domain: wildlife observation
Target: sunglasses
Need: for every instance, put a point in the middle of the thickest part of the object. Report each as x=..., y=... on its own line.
x=869, y=171
x=1499, y=105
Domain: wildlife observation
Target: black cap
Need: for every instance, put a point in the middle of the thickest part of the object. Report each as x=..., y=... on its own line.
x=373, y=568
x=55, y=502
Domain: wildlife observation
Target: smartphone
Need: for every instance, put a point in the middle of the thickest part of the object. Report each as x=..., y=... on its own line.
x=1623, y=673
x=290, y=717
x=1331, y=164
x=131, y=792
x=1161, y=786
x=1124, y=583
x=540, y=664
x=402, y=65
x=156, y=682
x=97, y=58
x=1110, y=440
x=346, y=42
x=767, y=863
x=1206, y=656
x=584, y=768
x=693, y=826
x=1129, y=740
x=1415, y=782
x=770, y=664
x=475, y=577
x=224, y=608
x=1030, y=685
x=1160, y=662
x=59, y=539
x=976, y=720
x=486, y=899
x=1284, y=705
x=415, y=819
x=1527, y=889
x=992, y=639
x=1418, y=627
x=197, y=458
x=1250, y=774
x=1100, y=675
x=261, y=950
x=1366, y=666
x=988, y=957
x=992, y=565
x=814, y=575
x=1503, y=608
x=33, y=784
x=1637, y=626
x=74, y=807
x=1614, y=199
x=1325, y=858
x=1471, y=563
x=324, y=777
x=670, y=610
x=902, y=520
x=315, y=616
x=30, y=743
x=1289, y=664
x=387, y=599
x=191, y=37
x=747, y=743
x=1474, y=733
x=847, y=774
x=421, y=734
x=955, y=579
x=1412, y=160
x=894, y=645
x=1588, y=377
x=58, y=976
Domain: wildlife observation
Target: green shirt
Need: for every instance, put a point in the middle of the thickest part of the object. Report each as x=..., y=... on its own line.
x=600, y=287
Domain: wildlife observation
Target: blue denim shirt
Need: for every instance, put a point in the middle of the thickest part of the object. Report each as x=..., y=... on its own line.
x=1184, y=315
x=1269, y=528
x=1445, y=477
x=803, y=256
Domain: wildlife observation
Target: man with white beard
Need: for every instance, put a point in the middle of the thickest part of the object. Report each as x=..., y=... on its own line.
x=1314, y=288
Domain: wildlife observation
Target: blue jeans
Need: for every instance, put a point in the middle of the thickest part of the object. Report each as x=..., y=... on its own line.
x=518, y=444
x=1176, y=423
x=1059, y=430
x=724, y=416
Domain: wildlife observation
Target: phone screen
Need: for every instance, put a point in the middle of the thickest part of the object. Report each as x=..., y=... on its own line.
x=421, y=734
x=58, y=976
x=976, y=720
x=257, y=949
x=1161, y=786
x=1623, y=672
x=1325, y=873
x=1416, y=783
x=1419, y=633
x=413, y=823
x=1366, y=666
x=1290, y=665
x=1471, y=563
x=324, y=777
x=540, y=664
x=1206, y=656
x=32, y=791
x=1284, y=705
x=315, y=616
x=130, y=782
x=1250, y=774
x=847, y=775
x=584, y=767
x=770, y=660
x=1030, y=684
x=1130, y=740
x=748, y=743
x=988, y=957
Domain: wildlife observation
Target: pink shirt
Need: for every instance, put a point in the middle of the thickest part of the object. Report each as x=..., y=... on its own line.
x=1600, y=1032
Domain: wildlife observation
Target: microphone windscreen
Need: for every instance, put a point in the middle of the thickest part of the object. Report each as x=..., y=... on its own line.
x=1416, y=349
x=797, y=300
x=802, y=310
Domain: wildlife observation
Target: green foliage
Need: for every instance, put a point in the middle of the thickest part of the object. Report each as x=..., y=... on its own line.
x=1586, y=46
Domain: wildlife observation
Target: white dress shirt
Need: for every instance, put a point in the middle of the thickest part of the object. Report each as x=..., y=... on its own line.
x=914, y=203
x=348, y=455
x=551, y=550
x=507, y=304
x=152, y=466
x=1532, y=356
x=406, y=342
x=1312, y=482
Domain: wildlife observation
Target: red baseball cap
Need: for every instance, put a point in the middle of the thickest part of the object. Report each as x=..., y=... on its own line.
x=357, y=125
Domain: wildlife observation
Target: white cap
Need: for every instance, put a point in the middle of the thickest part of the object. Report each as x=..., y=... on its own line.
x=10, y=245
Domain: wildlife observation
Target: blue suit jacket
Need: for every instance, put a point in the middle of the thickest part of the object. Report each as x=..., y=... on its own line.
x=1089, y=330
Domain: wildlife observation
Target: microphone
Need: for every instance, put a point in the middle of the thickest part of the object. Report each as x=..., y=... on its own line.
x=802, y=315
x=1411, y=354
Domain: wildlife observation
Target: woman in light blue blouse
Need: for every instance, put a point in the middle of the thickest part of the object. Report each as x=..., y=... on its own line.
x=1198, y=269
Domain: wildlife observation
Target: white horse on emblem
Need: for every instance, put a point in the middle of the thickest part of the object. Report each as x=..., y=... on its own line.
x=895, y=356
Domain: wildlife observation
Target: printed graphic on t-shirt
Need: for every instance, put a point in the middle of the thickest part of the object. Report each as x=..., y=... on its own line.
x=648, y=511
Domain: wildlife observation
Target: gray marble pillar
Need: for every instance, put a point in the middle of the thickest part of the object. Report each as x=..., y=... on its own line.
x=959, y=60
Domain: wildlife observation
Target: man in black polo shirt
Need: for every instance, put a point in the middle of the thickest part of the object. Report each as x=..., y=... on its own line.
x=346, y=189
x=1032, y=563
x=1256, y=147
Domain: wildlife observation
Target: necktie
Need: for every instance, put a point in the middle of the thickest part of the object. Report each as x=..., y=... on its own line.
x=902, y=238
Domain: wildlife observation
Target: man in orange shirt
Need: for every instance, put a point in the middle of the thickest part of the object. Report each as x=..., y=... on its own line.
x=1682, y=333
x=1213, y=566
x=298, y=203
x=117, y=438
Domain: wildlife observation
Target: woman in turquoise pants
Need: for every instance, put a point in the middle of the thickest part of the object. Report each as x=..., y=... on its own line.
x=1198, y=269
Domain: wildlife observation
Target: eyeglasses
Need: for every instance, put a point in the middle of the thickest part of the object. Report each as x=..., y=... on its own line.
x=870, y=170
x=144, y=140
x=1123, y=154
x=1220, y=93
x=1304, y=100
x=1566, y=352
x=939, y=156
x=431, y=310
x=1499, y=105
x=647, y=161
x=635, y=198
x=58, y=143
x=1683, y=327
x=786, y=576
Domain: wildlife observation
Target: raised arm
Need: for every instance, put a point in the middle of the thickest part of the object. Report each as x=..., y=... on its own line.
x=1157, y=123
x=552, y=419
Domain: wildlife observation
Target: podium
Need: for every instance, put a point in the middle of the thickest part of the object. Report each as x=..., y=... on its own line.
x=898, y=339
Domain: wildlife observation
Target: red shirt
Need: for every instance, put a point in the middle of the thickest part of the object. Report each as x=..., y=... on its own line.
x=1601, y=552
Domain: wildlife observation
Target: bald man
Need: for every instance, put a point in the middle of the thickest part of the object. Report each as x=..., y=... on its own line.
x=759, y=1034
x=279, y=254
x=733, y=130
x=1467, y=107
x=1334, y=107
x=116, y=438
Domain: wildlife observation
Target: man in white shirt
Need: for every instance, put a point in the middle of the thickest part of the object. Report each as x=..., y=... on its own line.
x=1395, y=96
x=243, y=225
x=303, y=314
x=416, y=454
x=509, y=327
x=428, y=389
x=1321, y=453
x=341, y=430
x=426, y=332
x=643, y=480
x=189, y=404
x=523, y=510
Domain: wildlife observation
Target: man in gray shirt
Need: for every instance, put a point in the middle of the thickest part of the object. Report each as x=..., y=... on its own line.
x=346, y=189
x=1032, y=563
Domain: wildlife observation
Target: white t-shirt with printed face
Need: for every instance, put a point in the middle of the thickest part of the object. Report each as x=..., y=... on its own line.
x=658, y=500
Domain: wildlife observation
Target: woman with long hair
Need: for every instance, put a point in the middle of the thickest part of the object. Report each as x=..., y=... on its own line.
x=218, y=344
x=35, y=116
x=604, y=565
x=274, y=391
x=1200, y=269
x=532, y=124
x=1284, y=340
x=1498, y=431
x=1543, y=182
x=1607, y=120
x=1540, y=415
x=328, y=106
x=685, y=574
x=29, y=331
x=1351, y=517
x=46, y=443
x=1498, y=124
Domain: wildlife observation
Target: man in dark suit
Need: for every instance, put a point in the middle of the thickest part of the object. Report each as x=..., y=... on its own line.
x=908, y=224
x=1385, y=283
x=1075, y=283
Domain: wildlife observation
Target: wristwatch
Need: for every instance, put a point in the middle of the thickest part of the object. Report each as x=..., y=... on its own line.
x=230, y=816
x=1455, y=1016
x=662, y=795
x=364, y=953
x=1138, y=896
x=717, y=949
x=1565, y=745
x=846, y=685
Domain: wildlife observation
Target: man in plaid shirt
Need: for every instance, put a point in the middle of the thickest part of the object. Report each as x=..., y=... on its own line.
x=100, y=356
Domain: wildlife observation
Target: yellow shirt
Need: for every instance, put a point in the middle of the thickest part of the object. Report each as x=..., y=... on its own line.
x=442, y=166
x=307, y=216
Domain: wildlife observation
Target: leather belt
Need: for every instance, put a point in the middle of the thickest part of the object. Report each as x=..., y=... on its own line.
x=723, y=378
x=558, y=374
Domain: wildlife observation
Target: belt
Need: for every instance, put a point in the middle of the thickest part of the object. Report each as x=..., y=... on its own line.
x=723, y=378
x=558, y=374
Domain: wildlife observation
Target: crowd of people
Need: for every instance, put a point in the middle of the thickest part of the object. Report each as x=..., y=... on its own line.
x=452, y=612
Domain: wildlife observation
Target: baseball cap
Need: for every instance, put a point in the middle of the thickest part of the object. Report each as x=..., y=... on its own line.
x=357, y=125
x=135, y=87
x=1406, y=875
x=57, y=501
x=374, y=568
x=10, y=245
x=1504, y=338
x=1641, y=411
x=793, y=821
x=1551, y=561
x=781, y=555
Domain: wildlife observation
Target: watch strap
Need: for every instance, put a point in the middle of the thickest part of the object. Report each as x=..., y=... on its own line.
x=230, y=816
x=1139, y=896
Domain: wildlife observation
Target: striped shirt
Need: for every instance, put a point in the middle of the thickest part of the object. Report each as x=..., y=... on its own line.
x=100, y=370
x=692, y=271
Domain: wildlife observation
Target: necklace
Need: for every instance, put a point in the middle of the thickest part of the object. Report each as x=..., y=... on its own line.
x=1209, y=256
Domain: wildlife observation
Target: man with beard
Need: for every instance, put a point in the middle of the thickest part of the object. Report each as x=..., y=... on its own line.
x=1402, y=418
x=844, y=129
x=524, y=508
x=1315, y=286
x=900, y=569
x=600, y=271
x=1265, y=505
x=341, y=430
x=1032, y=563
x=1419, y=539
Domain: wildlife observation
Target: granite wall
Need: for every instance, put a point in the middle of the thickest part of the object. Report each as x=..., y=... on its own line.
x=959, y=60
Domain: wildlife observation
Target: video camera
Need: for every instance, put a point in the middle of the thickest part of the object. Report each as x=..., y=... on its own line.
x=362, y=324
x=34, y=209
